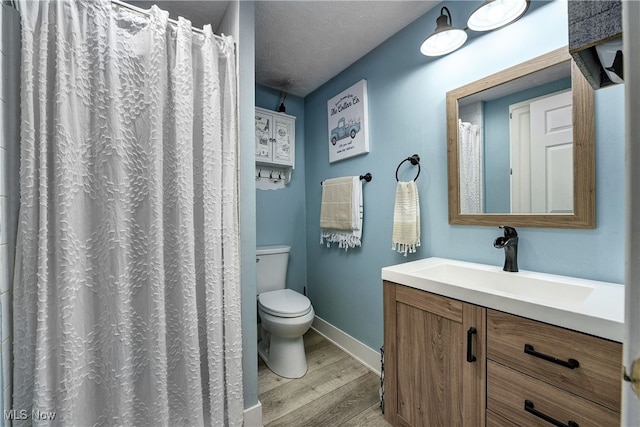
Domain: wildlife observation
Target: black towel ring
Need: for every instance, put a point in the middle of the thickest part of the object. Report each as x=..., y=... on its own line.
x=415, y=160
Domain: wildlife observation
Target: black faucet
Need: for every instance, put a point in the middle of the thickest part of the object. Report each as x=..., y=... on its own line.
x=510, y=245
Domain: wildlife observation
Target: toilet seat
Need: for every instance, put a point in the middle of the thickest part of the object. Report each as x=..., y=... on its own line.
x=284, y=303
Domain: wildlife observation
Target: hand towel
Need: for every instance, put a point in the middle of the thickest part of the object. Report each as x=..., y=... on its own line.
x=406, y=218
x=341, y=212
x=337, y=208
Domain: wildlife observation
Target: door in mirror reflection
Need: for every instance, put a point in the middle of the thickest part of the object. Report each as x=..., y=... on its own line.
x=516, y=151
x=541, y=149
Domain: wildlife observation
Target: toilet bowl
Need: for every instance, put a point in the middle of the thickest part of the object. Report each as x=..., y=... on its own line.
x=286, y=316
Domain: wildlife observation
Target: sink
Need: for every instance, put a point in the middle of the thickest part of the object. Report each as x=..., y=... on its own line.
x=589, y=306
x=523, y=284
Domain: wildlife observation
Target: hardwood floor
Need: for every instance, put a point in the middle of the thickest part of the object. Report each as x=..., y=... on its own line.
x=336, y=391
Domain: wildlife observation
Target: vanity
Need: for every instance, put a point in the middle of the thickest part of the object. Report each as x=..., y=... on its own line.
x=468, y=344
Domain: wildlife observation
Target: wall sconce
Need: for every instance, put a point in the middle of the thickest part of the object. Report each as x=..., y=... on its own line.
x=491, y=15
x=445, y=38
x=494, y=14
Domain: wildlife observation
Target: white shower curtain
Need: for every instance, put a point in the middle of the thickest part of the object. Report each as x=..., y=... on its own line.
x=127, y=293
x=471, y=160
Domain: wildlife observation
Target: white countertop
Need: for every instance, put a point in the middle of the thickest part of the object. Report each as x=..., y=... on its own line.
x=599, y=312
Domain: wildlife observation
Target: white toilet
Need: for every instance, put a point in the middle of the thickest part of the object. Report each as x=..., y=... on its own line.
x=285, y=315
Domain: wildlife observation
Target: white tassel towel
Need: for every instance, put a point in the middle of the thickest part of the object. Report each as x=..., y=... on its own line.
x=341, y=212
x=406, y=218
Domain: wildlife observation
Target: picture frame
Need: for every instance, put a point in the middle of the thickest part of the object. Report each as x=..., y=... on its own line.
x=348, y=123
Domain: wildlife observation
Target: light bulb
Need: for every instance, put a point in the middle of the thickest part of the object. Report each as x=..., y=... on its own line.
x=443, y=43
x=495, y=14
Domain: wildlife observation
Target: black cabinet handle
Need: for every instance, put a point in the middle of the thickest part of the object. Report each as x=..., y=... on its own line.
x=571, y=363
x=528, y=406
x=470, y=333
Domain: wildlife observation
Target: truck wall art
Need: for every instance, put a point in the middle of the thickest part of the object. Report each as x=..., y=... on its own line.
x=348, y=123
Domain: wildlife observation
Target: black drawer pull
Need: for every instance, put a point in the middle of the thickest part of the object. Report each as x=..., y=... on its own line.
x=528, y=406
x=571, y=363
x=470, y=333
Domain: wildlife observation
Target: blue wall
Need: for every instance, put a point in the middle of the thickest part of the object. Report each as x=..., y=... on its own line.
x=406, y=94
x=239, y=22
x=407, y=115
x=281, y=214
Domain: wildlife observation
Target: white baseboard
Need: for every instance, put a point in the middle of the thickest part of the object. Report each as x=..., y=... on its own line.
x=359, y=351
x=253, y=416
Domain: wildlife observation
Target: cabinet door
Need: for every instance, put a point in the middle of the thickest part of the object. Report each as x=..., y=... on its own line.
x=283, y=135
x=435, y=363
x=264, y=138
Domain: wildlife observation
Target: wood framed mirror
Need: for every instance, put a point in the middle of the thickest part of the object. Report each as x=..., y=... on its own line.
x=547, y=179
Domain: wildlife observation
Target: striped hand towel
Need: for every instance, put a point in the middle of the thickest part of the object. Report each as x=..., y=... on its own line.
x=341, y=212
x=406, y=218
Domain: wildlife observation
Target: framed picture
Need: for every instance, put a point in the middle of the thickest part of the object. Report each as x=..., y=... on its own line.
x=348, y=123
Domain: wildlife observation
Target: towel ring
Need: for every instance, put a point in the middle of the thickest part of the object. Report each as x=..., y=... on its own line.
x=415, y=160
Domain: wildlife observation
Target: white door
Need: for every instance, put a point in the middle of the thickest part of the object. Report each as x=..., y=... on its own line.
x=520, y=157
x=263, y=131
x=552, y=154
x=631, y=35
x=283, y=137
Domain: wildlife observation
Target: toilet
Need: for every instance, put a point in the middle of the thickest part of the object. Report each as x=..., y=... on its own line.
x=284, y=313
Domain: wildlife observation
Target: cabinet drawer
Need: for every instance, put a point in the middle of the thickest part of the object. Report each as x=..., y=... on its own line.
x=597, y=377
x=495, y=420
x=508, y=390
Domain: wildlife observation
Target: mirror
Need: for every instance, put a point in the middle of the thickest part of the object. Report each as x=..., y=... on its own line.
x=521, y=149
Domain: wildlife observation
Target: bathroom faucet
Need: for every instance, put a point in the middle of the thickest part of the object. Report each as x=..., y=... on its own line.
x=510, y=245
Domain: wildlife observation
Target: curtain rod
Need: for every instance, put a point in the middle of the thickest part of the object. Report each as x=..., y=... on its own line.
x=145, y=13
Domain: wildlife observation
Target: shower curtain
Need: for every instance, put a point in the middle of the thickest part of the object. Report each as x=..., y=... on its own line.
x=471, y=161
x=127, y=293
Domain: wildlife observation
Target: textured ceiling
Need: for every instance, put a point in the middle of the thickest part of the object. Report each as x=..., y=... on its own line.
x=301, y=45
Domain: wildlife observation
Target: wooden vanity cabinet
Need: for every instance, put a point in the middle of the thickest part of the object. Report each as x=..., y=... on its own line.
x=452, y=363
x=435, y=359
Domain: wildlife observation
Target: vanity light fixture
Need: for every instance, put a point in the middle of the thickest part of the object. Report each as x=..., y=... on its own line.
x=445, y=38
x=493, y=14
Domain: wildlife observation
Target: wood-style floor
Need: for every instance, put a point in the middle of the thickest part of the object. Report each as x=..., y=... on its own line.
x=336, y=391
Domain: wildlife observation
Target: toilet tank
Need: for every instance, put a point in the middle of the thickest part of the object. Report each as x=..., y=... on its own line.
x=271, y=267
